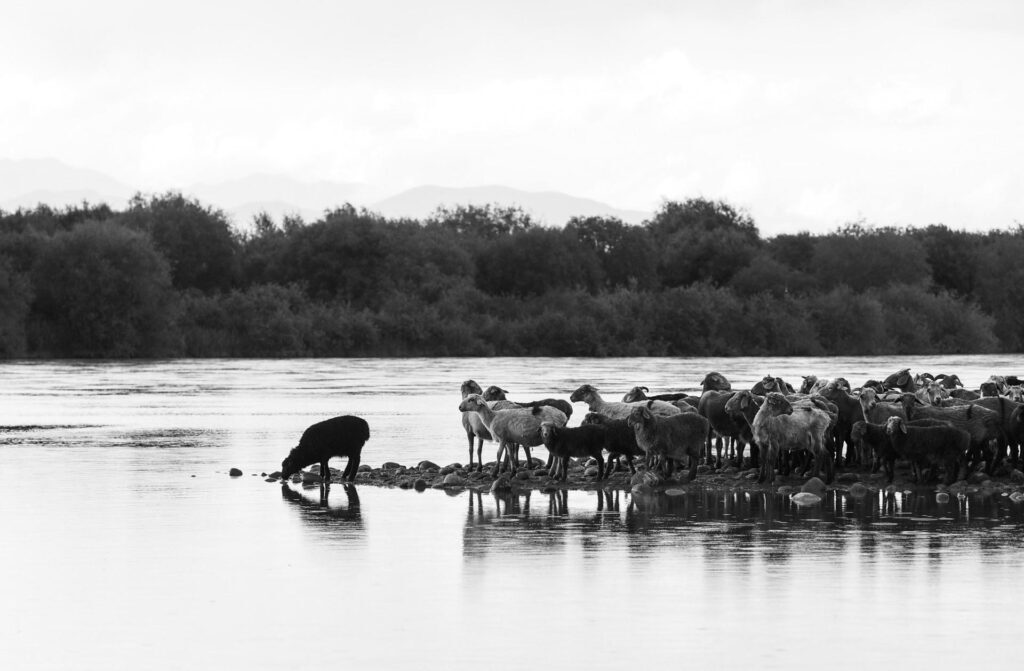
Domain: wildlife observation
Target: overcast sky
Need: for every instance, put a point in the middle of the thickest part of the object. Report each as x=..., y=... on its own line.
x=806, y=114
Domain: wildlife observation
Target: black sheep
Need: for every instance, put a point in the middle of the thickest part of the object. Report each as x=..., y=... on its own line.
x=924, y=446
x=583, y=441
x=336, y=437
x=620, y=440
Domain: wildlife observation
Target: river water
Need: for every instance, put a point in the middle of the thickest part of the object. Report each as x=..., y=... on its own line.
x=125, y=544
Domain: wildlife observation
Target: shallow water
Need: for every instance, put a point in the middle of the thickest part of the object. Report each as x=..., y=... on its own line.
x=126, y=544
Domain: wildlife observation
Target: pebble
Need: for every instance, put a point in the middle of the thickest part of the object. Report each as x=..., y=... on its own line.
x=805, y=499
x=858, y=490
x=814, y=486
x=234, y=472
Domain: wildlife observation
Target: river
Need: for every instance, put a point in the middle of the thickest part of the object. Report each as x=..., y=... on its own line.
x=127, y=544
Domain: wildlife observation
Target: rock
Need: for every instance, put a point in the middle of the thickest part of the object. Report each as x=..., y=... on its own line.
x=501, y=484
x=703, y=469
x=234, y=472
x=420, y=484
x=450, y=468
x=942, y=497
x=814, y=486
x=805, y=499
x=786, y=490
x=729, y=470
x=428, y=466
x=365, y=468
x=540, y=472
x=453, y=480
x=390, y=466
x=977, y=478
x=675, y=492
x=275, y=474
x=858, y=490
x=523, y=474
x=309, y=477
x=405, y=484
x=847, y=478
x=266, y=480
x=751, y=475
x=1017, y=497
x=1017, y=477
x=591, y=471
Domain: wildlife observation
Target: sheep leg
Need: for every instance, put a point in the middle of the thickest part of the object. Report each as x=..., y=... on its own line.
x=529, y=456
x=498, y=459
x=471, y=437
x=479, y=455
x=718, y=452
x=351, y=468
x=325, y=472
x=600, y=466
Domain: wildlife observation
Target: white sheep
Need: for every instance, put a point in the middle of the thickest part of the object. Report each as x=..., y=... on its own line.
x=618, y=410
x=474, y=426
x=779, y=426
x=512, y=426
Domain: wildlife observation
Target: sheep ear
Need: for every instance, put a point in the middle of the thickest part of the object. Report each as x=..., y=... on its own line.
x=903, y=427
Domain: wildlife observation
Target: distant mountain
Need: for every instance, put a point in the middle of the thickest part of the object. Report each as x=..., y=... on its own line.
x=29, y=182
x=551, y=207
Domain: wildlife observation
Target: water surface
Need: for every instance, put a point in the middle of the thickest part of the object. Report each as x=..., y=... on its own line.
x=126, y=544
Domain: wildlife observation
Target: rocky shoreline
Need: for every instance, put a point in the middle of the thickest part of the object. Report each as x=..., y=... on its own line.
x=801, y=487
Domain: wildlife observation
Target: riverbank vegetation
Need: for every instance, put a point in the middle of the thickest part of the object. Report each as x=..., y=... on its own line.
x=170, y=277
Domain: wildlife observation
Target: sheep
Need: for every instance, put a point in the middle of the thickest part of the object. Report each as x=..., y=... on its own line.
x=901, y=379
x=494, y=393
x=948, y=382
x=929, y=445
x=981, y=423
x=812, y=385
x=989, y=389
x=877, y=412
x=474, y=426
x=669, y=437
x=589, y=395
x=849, y=413
x=715, y=381
x=743, y=406
x=1004, y=409
x=512, y=426
x=871, y=439
x=640, y=394
x=723, y=424
x=336, y=437
x=587, y=440
x=769, y=384
x=779, y=426
x=620, y=440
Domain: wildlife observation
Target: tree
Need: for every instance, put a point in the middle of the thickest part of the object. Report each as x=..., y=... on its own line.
x=196, y=240
x=862, y=257
x=702, y=240
x=15, y=297
x=626, y=252
x=102, y=290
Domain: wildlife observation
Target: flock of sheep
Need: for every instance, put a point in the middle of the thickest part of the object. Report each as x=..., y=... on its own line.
x=929, y=421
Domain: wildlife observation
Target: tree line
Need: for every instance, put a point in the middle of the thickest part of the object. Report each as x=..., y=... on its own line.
x=169, y=276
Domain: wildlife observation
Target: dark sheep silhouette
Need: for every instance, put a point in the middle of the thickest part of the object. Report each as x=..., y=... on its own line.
x=336, y=437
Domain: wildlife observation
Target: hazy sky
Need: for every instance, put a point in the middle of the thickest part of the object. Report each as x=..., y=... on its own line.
x=807, y=114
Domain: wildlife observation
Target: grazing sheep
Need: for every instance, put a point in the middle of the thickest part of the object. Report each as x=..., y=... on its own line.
x=512, y=426
x=336, y=437
x=779, y=426
x=929, y=445
x=620, y=439
x=587, y=440
x=474, y=426
x=640, y=394
x=982, y=424
x=494, y=393
x=669, y=438
x=589, y=395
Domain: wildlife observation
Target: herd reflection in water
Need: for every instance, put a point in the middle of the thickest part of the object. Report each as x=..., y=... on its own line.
x=748, y=522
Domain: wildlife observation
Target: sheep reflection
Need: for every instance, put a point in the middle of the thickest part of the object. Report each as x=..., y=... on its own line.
x=319, y=507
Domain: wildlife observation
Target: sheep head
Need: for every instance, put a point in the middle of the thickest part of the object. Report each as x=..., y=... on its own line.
x=548, y=432
x=635, y=394
x=777, y=404
x=594, y=418
x=495, y=393
x=472, y=403
x=989, y=389
x=868, y=398
x=715, y=381
x=470, y=387
x=894, y=424
x=639, y=416
x=742, y=401
x=857, y=432
x=809, y=381
x=585, y=393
